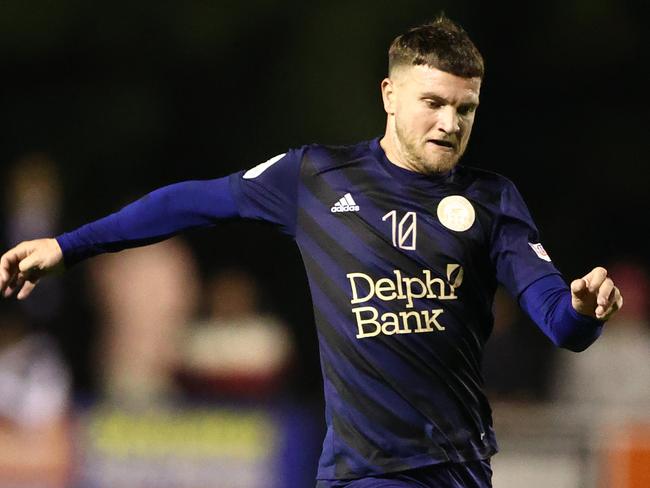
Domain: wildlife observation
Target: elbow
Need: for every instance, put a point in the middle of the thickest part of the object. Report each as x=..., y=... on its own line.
x=575, y=347
x=578, y=342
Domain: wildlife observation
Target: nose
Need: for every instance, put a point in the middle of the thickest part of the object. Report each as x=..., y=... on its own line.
x=448, y=120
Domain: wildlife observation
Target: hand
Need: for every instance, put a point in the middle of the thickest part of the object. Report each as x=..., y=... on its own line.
x=22, y=266
x=595, y=295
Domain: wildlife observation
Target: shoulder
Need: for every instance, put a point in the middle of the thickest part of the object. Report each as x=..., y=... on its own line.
x=319, y=158
x=484, y=184
x=471, y=175
x=310, y=159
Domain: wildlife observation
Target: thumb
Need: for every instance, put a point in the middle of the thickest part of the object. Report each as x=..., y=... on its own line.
x=579, y=288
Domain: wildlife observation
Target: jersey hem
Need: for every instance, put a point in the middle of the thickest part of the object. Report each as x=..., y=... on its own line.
x=414, y=462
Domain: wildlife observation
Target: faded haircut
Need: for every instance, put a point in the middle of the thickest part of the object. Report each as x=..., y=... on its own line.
x=441, y=44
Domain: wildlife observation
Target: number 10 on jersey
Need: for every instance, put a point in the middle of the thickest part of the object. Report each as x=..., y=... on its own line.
x=405, y=231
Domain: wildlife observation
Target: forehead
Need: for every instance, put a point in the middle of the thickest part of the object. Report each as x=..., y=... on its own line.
x=422, y=80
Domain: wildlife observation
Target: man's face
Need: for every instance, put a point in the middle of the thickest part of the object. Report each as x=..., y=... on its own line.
x=430, y=117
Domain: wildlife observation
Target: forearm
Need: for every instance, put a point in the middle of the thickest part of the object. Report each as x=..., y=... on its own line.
x=156, y=216
x=548, y=303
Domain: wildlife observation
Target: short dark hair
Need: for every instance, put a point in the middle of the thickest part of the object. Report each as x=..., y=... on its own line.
x=440, y=44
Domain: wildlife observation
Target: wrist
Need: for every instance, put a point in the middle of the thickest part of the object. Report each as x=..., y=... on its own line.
x=582, y=317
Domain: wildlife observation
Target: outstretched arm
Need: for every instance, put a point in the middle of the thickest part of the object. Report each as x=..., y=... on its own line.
x=572, y=317
x=157, y=216
x=160, y=214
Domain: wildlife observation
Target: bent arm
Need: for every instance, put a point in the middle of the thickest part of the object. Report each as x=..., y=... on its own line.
x=154, y=217
x=547, y=302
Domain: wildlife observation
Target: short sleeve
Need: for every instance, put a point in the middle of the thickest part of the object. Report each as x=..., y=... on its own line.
x=516, y=250
x=269, y=191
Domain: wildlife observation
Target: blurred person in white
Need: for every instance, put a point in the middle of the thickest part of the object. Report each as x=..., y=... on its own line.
x=237, y=352
x=34, y=401
x=144, y=298
x=611, y=380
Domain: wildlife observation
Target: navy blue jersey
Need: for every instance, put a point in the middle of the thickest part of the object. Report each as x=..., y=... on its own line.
x=402, y=269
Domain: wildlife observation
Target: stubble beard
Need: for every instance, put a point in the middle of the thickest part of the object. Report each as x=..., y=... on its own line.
x=414, y=153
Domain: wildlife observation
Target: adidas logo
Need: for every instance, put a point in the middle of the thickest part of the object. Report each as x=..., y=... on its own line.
x=345, y=204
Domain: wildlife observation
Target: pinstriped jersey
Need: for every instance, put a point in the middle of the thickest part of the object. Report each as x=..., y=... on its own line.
x=402, y=269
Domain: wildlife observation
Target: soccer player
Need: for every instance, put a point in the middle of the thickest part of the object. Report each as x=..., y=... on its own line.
x=403, y=249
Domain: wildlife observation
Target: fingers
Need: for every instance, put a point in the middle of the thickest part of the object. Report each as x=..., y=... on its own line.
x=9, y=287
x=21, y=287
x=596, y=295
x=614, y=305
x=11, y=265
x=26, y=289
x=8, y=270
x=22, y=266
x=608, y=296
x=14, y=285
x=5, y=277
x=595, y=278
x=605, y=297
x=598, y=289
x=30, y=263
x=579, y=288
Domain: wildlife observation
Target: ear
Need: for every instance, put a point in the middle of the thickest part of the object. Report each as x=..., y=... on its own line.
x=388, y=95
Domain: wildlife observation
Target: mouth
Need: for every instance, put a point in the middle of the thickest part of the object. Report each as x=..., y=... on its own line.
x=442, y=143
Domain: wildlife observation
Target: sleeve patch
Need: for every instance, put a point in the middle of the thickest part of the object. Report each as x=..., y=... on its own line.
x=262, y=167
x=540, y=251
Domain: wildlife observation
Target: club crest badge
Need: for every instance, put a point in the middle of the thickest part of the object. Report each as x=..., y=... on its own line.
x=456, y=213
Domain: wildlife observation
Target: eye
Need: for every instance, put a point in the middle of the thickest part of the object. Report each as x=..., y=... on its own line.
x=433, y=104
x=466, y=109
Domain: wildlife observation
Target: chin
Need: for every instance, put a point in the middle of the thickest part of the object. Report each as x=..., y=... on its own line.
x=439, y=165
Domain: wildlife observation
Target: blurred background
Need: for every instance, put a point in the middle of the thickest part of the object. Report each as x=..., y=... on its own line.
x=194, y=362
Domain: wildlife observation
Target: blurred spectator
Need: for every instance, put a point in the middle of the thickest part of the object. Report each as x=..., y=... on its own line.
x=35, y=382
x=32, y=208
x=145, y=297
x=611, y=379
x=34, y=401
x=33, y=198
x=517, y=358
x=237, y=352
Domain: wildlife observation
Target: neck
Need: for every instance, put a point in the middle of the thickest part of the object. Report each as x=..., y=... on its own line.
x=394, y=151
